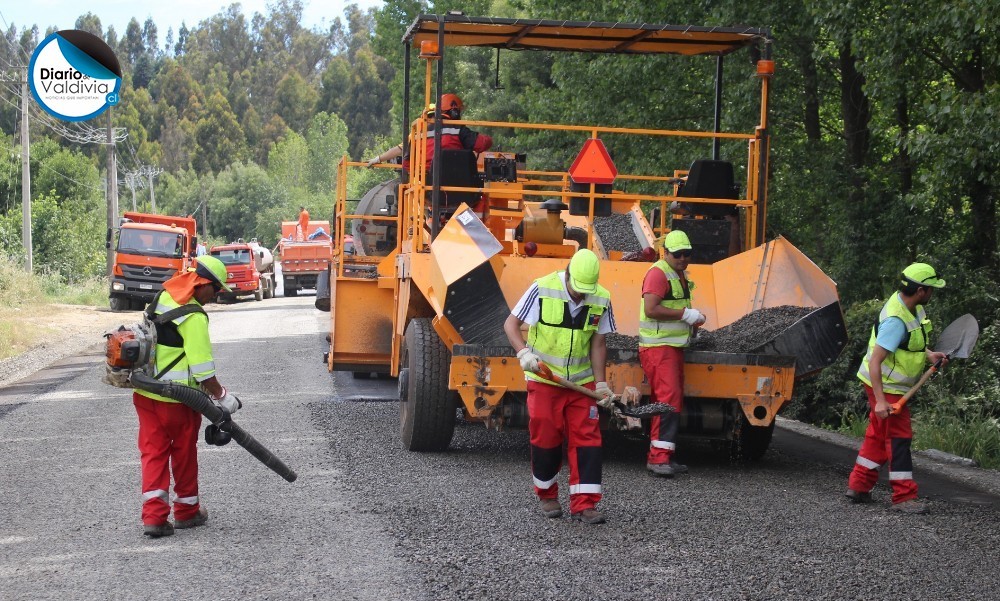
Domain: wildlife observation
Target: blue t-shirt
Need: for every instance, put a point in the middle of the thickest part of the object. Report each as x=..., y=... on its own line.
x=890, y=334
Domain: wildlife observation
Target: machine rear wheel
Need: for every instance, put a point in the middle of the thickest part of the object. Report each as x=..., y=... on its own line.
x=290, y=288
x=427, y=407
x=259, y=294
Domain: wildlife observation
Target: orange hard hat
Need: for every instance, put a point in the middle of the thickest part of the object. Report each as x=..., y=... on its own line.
x=450, y=101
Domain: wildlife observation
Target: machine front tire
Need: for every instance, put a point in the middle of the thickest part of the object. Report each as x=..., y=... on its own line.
x=427, y=407
x=750, y=442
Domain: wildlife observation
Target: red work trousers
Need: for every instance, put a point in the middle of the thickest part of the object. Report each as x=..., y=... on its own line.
x=168, y=441
x=557, y=414
x=886, y=440
x=664, y=369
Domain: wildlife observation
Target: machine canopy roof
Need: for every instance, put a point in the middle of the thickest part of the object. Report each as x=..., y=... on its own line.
x=583, y=36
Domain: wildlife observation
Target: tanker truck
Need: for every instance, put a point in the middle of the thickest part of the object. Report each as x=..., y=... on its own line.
x=250, y=269
x=463, y=243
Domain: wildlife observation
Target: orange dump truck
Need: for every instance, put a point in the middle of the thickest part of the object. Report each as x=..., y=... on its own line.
x=149, y=250
x=301, y=262
x=250, y=268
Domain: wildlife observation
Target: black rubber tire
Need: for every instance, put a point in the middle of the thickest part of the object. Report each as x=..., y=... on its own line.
x=268, y=289
x=136, y=304
x=258, y=295
x=427, y=407
x=118, y=303
x=750, y=442
x=291, y=290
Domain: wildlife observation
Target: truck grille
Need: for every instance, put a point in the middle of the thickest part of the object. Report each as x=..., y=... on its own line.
x=147, y=273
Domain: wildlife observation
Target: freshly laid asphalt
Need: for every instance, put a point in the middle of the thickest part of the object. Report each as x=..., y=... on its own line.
x=368, y=520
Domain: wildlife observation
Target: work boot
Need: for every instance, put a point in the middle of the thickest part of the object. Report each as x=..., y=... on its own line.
x=662, y=469
x=858, y=497
x=550, y=508
x=679, y=468
x=913, y=506
x=198, y=520
x=589, y=516
x=158, y=530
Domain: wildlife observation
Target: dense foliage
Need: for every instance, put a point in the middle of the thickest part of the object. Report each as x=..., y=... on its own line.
x=883, y=123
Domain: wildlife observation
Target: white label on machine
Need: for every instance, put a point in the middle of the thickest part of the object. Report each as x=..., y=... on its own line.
x=465, y=217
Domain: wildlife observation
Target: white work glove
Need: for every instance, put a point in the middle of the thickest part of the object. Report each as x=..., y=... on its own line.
x=603, y=389
x=372, y=161
x=529, y=361
x=693, y=317
x=229, y=402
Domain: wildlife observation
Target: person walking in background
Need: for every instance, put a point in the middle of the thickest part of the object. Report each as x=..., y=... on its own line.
x=568, y=315
x=168, y=429
x=303, y=225
x=897, y=353
x=667, y=323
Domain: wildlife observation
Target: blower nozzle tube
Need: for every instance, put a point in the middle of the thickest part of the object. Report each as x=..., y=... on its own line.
x=200, y=402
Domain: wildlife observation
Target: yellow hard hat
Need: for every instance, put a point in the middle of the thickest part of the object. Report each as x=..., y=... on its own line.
x=584, y=269
x=213, y=270
x=922, y=274
x=676, y=240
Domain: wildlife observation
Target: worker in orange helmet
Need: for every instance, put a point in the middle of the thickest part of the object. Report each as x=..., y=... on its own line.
x=453, y=137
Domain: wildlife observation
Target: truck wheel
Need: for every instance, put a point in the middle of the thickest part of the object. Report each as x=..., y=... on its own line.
x=427, y=407
x=118, y=303
x=259, y=294
x=268, y=289
x=750, y=442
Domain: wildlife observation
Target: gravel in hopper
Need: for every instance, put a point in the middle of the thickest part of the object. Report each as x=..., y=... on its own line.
x=616, y=233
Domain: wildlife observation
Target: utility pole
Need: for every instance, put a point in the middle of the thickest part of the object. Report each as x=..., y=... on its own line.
x=112, y=190
x=25, y=176
x=151, y=173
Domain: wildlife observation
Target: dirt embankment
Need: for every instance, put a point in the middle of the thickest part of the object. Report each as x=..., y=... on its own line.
x=58, y=332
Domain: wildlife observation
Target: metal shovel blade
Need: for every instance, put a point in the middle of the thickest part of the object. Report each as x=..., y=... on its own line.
x=959, y=337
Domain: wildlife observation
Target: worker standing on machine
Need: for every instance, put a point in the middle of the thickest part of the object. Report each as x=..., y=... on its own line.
x=303, y=225
x=168, y=430
x=667, y=323
x=568, y=315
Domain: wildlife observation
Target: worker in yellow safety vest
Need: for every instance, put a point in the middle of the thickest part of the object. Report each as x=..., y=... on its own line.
x=168, y=430
x=568, y=316
x=667, y=323
x=898, y=351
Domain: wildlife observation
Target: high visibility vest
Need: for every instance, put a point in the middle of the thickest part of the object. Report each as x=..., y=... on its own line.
x=902, y=368
x=185, y=337
x=560, y=340
x=654, y=332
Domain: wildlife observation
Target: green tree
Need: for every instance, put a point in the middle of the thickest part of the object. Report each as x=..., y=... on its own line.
x=219, y=139
x=296, y=101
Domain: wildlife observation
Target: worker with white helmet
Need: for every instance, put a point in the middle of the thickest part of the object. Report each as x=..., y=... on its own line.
x=667, y=322
x=568, y=314
x=168, y=429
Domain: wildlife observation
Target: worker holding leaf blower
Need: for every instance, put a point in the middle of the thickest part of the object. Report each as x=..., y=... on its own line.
x=897, y=353
x=568, y=315
x=168, y=430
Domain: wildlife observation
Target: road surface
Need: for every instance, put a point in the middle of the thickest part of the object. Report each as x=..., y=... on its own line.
x=367, y=520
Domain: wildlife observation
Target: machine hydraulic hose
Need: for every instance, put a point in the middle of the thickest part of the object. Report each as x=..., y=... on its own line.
x=200, y=402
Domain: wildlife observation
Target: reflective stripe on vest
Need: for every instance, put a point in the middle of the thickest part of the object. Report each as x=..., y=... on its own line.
x=653, y=332
x=560, y=340
x=902, y=368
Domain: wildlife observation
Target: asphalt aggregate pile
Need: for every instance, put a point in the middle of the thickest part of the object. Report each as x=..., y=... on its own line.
x=751, y=331
x=616, y=233
x=622, y=342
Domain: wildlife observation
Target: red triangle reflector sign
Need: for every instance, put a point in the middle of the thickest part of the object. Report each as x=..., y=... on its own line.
x=593, y=165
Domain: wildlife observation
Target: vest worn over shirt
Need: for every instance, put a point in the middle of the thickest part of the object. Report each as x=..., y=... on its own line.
x=185, y=337
x=654, y=332
x=900, y=369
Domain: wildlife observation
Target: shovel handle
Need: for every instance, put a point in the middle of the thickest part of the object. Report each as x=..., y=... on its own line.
x=546, y=372
x=898, y=405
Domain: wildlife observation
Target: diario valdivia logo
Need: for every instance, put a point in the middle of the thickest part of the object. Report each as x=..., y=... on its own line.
x=74, y=75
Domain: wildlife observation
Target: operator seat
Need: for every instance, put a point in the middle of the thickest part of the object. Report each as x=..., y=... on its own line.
x=706, y=224
x=458, y=168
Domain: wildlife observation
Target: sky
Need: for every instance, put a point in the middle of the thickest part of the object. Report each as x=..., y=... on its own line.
x=166, y=14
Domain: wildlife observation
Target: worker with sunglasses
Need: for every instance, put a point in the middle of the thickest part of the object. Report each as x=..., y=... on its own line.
x=667, y=323
x=168, y=429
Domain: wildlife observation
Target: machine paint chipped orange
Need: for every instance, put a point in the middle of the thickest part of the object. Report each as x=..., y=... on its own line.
x=430, y=308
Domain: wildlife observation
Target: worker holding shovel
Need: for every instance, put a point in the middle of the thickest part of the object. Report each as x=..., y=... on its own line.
x=898, y=351
x=568, y=315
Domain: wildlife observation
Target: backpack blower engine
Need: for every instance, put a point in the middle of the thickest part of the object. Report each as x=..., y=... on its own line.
x=131, y=363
